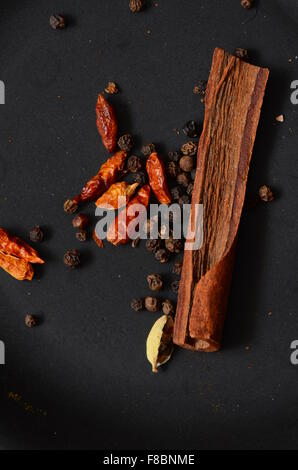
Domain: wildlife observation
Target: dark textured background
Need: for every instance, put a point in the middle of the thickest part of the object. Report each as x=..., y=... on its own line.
x=81, y=378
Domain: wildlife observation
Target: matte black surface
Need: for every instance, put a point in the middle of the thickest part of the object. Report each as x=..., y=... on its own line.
x=81, y=378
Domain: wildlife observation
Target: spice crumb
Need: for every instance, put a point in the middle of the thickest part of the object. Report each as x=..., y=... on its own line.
x=136, y=5
x=280, y=118
x=266, y=194
x=247, y=4
x=72, y=258
x=30, y=321
x=57, y=22
x=112, y=88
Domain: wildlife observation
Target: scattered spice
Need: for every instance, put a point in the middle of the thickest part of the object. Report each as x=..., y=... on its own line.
x=57, y=21
x=200, y=89
x=175, y=286
x=125, y=142
x=137, y=304
x=190, y=129
x=159, y=345
x=30, y=320
x=80, y=221
x=135, y=242
x=153, y=245
x=152, y=304
x=265, y=193
x=36, y=234
x=280, y=118
x=81, y=235
x=70, y=206
x=172, y=169
x=247, y=4
x=155, y=282
x=134, y=163
x=186, y=163
x=106, y=122
x=189, y=189
x=173, y=245
x=189, y=148
x=139, y=177
x=184, y=199
x=162, y=255
x=117, y=196
x=174, y=156
x=177, y=268
x=183, y=179
x=157, y=178
x=168, y=307
x=72, y=258
x=176, y=193
x=136, y=5
x=241, y=53
x=147, y=149
x=97, y=240
x=112, y=88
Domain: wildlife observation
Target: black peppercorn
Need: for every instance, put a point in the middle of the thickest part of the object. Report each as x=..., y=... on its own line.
x=176, y=193
x=135, y=5
x=246, y=3
x=139, y=177
x=200, y=88
x=57, y=22
x=266, y=194
x=177, y=268
x=184, y=199
x=172, y=169
x=162, y=255
x=137, y=304
x=147, y=149
x=80, y=221
x=154, y=281
x=152, y=304
x=153, y=245
x=81, y=235
x=125, y=142
x=174, y=156
x=168, y=307
x=134, y=163
x=241, y=53
x=175, y=286
x=189, y=189
x=183, y=179
x=174, y=245
x=190, y=129
x=189, y=148
x=70, y=206
x=72, y=258
x=186, y=163
x=30, y=320
x=36, y=234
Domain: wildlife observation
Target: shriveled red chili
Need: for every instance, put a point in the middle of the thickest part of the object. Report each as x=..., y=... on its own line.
x=106, y=122
x=157, y=178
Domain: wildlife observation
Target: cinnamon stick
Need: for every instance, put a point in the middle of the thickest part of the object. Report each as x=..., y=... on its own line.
x=233, y=103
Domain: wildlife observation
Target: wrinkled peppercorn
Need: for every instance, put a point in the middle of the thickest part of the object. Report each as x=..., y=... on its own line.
x=175, y=286
x=111, y=88
x=190, y=129
x=136, y=5
x=184, y=199
x=183, y=179
x=173, y=245
x=125, y=142
x=135, y=242
x=200, y=88
x=147, y=149
x=162, y=255
x=36, y=234
x=152, y=303
x=177, y=268
x=139, y=177
x=72, y=258
x=81, y=235
x=174, y=156
x=30, y=320
x=246, y=3
x=172, y=169
x=241, y=53
x=137, y=304
x=176, y=193
x=154, y=281
x=134, y=163
x=168, y=307
x=70, y=206
x=80, y=221
x=153, y=245
x=189, y=148
x=265, y=193
x=186, y=163
x=189, y=189
x=193, y=174
x=57, y=22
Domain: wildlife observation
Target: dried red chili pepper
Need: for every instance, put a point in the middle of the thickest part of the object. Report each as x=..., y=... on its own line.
x=157, y=178
x=98, y=184
x=116, y=196
x=106, y=123
x=118, y=232
x=11, y=245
